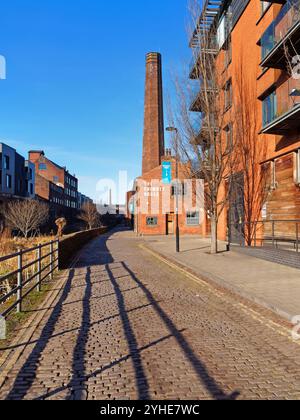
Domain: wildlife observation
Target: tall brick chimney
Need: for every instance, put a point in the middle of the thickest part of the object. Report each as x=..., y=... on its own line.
x=153, y=144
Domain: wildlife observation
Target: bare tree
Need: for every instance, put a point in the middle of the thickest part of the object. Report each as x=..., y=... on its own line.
x=249, y=151
x=89, y=214
x=26, y=216
x=203, y=142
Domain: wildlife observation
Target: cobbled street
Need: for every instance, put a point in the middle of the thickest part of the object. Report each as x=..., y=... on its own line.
x=128, y=326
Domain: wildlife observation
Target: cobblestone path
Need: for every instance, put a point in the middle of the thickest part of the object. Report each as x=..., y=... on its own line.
x=127, y=326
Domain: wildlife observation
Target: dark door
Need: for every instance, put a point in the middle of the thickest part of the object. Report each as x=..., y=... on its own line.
x=236, y=219
x=170, y=224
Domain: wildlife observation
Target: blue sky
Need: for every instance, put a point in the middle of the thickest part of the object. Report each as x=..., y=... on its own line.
x=75, y=78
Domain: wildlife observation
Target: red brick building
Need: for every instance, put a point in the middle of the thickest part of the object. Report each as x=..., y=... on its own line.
x=154, y=203
x=55, y=185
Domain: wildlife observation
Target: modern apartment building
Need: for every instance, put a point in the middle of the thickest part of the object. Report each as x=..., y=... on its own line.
x=17, y=177
x=258, y=42
x=54, y=183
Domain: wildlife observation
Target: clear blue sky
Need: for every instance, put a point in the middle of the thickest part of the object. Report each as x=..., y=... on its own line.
x=75, y=78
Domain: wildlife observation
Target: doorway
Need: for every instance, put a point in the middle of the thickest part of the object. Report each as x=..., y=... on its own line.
x=170, y=224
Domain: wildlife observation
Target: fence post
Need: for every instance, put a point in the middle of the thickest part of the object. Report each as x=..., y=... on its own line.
x=20, y=281
x=57, y=254
x=39, y=256
x=51, y=260
x=297, y=237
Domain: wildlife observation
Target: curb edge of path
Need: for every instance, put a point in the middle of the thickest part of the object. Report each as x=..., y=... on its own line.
x=285, y=319
x=12, y=355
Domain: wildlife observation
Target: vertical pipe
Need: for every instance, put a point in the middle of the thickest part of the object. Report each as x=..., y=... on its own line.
x=20, y=281
x=39, y=256
x=273, y=234
x=297, y=237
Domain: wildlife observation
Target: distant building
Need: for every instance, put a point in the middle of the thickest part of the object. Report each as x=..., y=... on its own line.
x=30, y=179
x=17, y=177
x=83, y=199
x=62, y=185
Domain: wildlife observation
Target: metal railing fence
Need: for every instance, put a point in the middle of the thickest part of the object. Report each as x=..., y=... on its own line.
x=266, y=232
x=28, y=275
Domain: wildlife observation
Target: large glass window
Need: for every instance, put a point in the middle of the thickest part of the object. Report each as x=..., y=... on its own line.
x=269, y=109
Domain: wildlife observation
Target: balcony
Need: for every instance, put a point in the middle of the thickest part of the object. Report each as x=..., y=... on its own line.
x=199, y=101
x=282, y=34
x=212, y=49
x=281, y=109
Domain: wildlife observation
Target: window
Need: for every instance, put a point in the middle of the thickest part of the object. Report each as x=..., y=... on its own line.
x=229, y=137
x=42, y=167
x=31, y=189
x=178, y=187
x=264, y=6
x=151, y=221
x=269, y=109
x=8, y=181
x=6, y=163
x=56, y=179
x=228, y=53
x=228, y=95
x=192, y=218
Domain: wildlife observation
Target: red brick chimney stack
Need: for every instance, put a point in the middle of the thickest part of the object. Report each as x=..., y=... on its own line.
x=153, y=145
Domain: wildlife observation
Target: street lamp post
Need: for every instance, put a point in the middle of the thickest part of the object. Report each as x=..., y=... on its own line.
x=175, y=130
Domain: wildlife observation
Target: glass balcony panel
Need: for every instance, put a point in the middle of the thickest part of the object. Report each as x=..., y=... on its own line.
x=287, y=18
x=285, y=99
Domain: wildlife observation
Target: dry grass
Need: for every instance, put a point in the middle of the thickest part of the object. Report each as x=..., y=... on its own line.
x=9, y=246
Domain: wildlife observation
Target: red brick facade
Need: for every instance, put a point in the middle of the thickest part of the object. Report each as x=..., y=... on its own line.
x=53, y=182
x=156, y=201
x=153, y=145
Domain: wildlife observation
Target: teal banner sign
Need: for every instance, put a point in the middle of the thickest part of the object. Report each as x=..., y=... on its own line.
x=167, y=172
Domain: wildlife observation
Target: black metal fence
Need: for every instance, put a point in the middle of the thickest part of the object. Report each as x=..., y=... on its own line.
x=28, y=275
x=276, y=233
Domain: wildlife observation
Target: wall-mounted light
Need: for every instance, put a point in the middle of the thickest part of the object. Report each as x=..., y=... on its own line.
x=295, y=93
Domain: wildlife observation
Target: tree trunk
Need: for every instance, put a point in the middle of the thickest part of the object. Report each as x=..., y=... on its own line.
x=214, y=235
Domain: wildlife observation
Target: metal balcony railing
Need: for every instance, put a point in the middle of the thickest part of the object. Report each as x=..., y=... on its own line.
x=285, y=99
x=279, y=29
x=41, y=268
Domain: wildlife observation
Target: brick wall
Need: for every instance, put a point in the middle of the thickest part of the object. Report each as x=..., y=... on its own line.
x=153, y=143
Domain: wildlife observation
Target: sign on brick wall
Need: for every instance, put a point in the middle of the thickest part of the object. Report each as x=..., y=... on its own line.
x=166, y=172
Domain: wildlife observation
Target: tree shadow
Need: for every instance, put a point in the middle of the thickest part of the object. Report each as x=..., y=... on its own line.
x=77, y=385
x=32, y=363
x=140, y=374
x=199, y=367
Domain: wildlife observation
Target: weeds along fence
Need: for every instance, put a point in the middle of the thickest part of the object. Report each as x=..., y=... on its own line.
x=24, y=271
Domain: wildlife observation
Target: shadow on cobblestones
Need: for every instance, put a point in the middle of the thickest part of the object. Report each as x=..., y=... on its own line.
x=77, y=390
x=24, y=380
x=204, y=377
x=140, y=375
